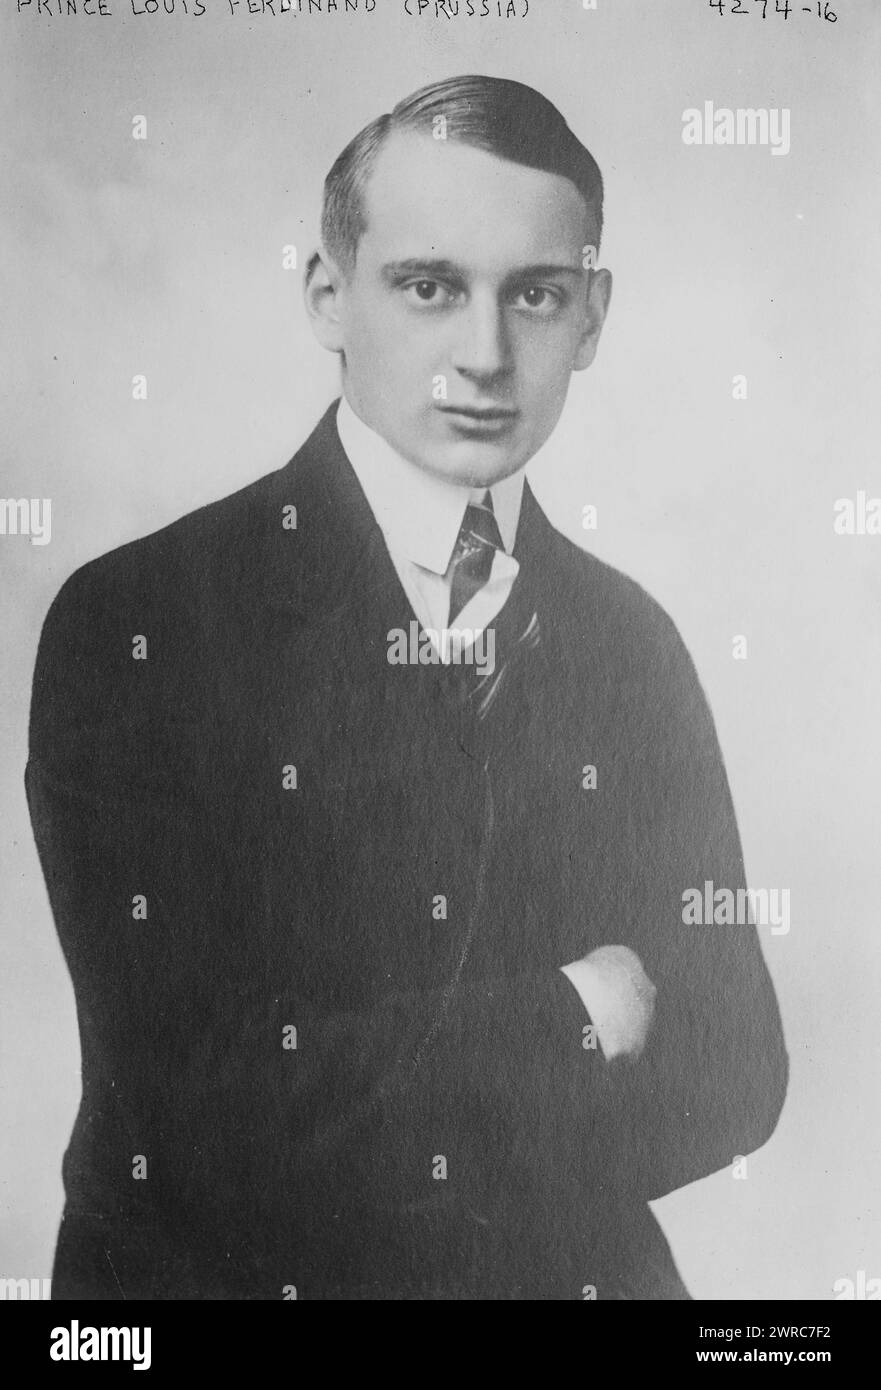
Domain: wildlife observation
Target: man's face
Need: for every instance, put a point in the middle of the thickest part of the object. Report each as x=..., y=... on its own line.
x=468, y=307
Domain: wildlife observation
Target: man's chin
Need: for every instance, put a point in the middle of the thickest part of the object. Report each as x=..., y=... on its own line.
x=475, y=463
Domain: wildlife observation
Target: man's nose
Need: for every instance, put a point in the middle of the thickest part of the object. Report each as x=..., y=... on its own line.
x=481, y=347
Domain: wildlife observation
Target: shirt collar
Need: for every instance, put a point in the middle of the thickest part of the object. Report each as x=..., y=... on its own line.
x=419, y=514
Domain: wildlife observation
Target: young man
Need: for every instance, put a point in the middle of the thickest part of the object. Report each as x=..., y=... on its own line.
x=367, y=804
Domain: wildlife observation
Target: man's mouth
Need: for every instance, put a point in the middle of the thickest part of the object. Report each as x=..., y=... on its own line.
x=479, y=421
x=477, y=412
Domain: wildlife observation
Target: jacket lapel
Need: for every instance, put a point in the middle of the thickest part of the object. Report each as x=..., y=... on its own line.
x=331, y=585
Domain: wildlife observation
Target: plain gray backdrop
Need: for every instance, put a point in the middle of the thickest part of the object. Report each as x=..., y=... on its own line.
x=164, y=257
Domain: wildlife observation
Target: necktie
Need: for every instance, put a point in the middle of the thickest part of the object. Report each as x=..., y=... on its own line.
x=472, y=561
x=516, y=628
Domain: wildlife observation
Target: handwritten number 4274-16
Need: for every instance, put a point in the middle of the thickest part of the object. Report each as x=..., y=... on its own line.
x=821, y=7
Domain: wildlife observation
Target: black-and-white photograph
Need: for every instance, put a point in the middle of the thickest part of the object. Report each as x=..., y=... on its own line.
x=441, y=548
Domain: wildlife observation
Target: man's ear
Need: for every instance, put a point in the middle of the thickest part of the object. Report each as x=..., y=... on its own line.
x=599, y=293
x=321, y=294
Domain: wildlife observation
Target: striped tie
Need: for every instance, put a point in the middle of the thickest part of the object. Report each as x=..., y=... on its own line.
x=472, y=561
x=516, y=627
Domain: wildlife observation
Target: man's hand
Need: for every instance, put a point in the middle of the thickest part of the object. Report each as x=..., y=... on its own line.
x=619, y=997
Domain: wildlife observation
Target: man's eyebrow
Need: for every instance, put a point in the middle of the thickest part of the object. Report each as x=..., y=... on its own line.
x=544, y=270
x=395, y=270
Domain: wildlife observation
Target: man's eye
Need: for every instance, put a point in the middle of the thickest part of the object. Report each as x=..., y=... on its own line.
x=427, y=292
x=539, y=297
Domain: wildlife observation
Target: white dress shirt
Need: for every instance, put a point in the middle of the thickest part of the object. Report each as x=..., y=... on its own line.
x=420, y=516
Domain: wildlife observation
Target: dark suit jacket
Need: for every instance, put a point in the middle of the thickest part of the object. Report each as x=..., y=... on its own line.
x=318, y=1166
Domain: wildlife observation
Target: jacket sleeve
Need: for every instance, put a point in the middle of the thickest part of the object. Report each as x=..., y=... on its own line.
x=711, y=1081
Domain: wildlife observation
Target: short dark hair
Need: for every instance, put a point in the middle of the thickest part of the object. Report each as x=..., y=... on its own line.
x=505, y=118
